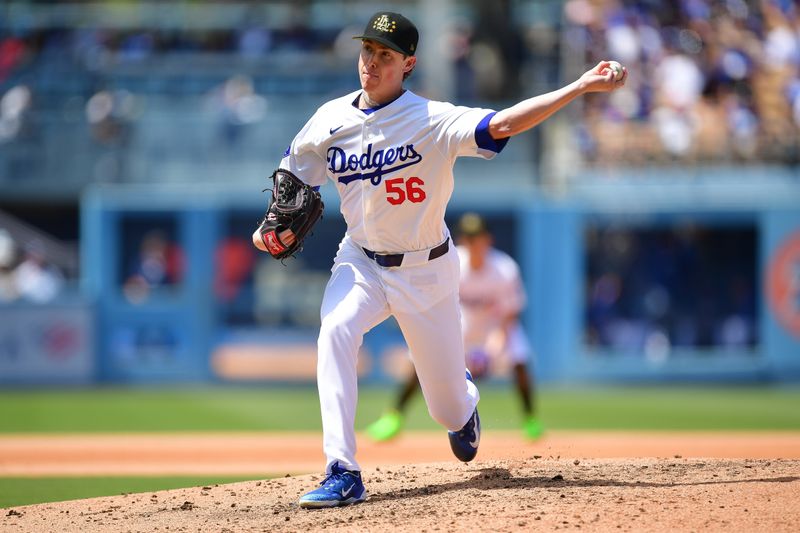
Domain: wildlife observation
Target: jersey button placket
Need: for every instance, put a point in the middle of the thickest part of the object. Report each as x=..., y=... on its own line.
x=366, y=185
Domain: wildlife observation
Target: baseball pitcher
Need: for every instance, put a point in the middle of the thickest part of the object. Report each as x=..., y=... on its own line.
x=390, y=153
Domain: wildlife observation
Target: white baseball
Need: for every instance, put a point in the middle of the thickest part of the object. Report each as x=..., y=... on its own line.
x=617, y=68
x=257, y=241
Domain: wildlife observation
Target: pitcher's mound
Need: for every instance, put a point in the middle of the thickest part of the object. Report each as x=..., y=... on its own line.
x=514, y=495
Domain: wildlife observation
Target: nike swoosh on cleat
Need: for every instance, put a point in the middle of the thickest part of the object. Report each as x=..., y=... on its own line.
x=334, y=130
x=477, y=440
x=348, y=491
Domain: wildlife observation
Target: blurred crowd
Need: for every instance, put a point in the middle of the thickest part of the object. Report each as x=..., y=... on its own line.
x=651, y=292
x=156, y=262
x=96, y=48
x=26, y=273
x=95, y=82
x=710, y=80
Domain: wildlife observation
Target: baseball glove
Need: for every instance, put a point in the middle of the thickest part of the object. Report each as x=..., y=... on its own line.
x=294, y=206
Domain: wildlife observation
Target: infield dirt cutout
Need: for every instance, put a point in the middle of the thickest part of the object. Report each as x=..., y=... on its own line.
x=608, y=481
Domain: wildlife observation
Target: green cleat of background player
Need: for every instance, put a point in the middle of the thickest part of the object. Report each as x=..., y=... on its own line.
x=532, y=428
x=386, y=427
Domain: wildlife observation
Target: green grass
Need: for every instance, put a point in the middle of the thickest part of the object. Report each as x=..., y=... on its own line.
x=297, y=409
x=634, y=409
x=15, y=491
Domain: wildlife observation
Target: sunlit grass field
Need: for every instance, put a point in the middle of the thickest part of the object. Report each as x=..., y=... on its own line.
x=285, y=408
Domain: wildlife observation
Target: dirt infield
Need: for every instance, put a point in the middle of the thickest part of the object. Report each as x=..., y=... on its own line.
x=301, y=453
x=568, y=480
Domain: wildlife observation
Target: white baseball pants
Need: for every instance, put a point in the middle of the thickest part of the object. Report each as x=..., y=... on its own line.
x=424, y=300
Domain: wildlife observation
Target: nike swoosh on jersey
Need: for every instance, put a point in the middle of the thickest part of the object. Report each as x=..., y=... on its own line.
x=334, y=130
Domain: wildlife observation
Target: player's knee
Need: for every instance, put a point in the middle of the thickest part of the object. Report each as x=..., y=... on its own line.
x=335, y=331
x=447, y=416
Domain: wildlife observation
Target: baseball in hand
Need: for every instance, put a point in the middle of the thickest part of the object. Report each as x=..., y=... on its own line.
x=617, y=69
x=258, y=242
x=286, y=236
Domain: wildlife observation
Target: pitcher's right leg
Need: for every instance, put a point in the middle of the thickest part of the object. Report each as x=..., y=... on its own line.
x=353, y=304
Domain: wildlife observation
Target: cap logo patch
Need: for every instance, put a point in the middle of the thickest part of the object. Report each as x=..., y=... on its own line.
x=383, y=24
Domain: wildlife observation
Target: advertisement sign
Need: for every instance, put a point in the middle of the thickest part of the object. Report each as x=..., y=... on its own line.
x=783, y=284
x=46, y=344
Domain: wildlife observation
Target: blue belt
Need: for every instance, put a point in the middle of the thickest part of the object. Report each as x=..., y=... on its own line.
x=395, y=260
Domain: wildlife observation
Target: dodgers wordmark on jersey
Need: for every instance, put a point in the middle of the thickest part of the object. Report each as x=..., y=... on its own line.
x=392, y=166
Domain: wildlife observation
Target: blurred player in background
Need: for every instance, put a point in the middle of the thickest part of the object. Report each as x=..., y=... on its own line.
x=492, y=297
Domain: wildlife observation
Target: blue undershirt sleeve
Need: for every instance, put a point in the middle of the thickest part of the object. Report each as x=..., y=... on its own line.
x=484, y=140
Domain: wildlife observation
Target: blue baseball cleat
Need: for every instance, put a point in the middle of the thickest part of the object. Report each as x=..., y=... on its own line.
x=465, y=441
x=340, y=487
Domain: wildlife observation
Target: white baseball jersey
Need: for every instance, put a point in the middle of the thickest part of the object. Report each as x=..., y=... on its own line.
x=488, y=296
x=393, y=167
